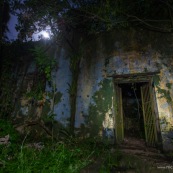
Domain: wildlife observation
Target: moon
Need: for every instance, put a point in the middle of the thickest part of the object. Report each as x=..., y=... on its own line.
x=45, y=34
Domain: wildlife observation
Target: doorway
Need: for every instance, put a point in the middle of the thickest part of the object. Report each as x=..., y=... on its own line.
x=132, y=110
x=135, y=114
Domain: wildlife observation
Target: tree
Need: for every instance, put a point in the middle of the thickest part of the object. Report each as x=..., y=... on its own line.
x=92, y=16
x=4, y=18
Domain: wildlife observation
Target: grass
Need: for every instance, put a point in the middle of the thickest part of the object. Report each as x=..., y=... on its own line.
x=68, y=155
x=53, y=158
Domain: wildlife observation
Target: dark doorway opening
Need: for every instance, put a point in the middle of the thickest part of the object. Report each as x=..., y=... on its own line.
x=132, y=110
x=136, y=114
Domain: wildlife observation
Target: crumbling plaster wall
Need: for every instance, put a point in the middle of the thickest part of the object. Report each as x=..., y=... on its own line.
x=124, y=52
x=118, y=52
x=54, y=103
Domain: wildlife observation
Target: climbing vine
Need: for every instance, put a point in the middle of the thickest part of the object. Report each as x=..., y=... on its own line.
x=163, y=92
x=44, y=67
x=44, y=63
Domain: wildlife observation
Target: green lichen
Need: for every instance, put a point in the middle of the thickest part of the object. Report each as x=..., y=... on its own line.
x=46, y=110
x=145, y=69
x=102, y=103
x=156, y=80
x=47, y=113
x=164, y=94
x=169, y=85
x=58, y=97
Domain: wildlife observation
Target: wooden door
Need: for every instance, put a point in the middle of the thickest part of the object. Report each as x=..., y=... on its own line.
x=119, y=128
x=149, y=114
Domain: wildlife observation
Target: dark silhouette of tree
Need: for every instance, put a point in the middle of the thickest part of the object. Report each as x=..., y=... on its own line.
x=4, y=18
x=92, y=16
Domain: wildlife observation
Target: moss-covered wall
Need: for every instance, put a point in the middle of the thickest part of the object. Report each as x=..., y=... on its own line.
x=117, y=52
x=124, y=52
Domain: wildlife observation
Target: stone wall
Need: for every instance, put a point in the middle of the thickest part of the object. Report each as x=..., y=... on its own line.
x=118, y=52
x=125, y=52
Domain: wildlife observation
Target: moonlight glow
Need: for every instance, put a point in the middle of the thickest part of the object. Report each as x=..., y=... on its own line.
x=45, y=34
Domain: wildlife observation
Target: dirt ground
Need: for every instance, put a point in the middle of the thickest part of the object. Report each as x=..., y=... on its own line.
x=131, y=157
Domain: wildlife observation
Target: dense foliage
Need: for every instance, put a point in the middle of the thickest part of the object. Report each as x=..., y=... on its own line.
x=91, y=16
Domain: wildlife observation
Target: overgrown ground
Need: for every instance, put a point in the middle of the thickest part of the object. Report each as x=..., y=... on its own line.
x=21, y=154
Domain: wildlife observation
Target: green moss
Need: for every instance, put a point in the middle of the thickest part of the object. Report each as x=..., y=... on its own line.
x=37, y=91
x=169, y=85
x=145, y=69
x=46, y=109
x=164, y=93
x=156, y=80
x=58, y=97
x=102, y=103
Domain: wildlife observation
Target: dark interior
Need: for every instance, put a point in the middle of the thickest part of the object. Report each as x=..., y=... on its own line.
x=132, y=110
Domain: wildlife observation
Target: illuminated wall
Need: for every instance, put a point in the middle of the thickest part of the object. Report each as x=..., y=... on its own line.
x=118, y=52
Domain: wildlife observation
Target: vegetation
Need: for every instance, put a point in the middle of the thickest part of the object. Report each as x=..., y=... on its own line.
x=66, y=20
x=14, y=67
x=67, y=155
x=44, y=67
x=52, y=158
x=91, y=16
x=102, y=105
x=62, y=19
x=20, y=156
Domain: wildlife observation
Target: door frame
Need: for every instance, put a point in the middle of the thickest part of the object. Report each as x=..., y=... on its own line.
x=136, y=78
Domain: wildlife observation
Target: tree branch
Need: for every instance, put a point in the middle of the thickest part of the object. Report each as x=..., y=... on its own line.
x=163, y=30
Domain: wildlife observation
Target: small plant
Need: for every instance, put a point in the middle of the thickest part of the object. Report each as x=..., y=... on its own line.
x=44, y=63
x=44, y=67
x=37, y=92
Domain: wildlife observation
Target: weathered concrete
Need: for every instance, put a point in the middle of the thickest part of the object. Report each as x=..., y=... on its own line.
x=119, y=52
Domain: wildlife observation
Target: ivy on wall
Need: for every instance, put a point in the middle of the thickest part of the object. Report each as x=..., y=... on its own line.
x=44, y=63
x=163, y=92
